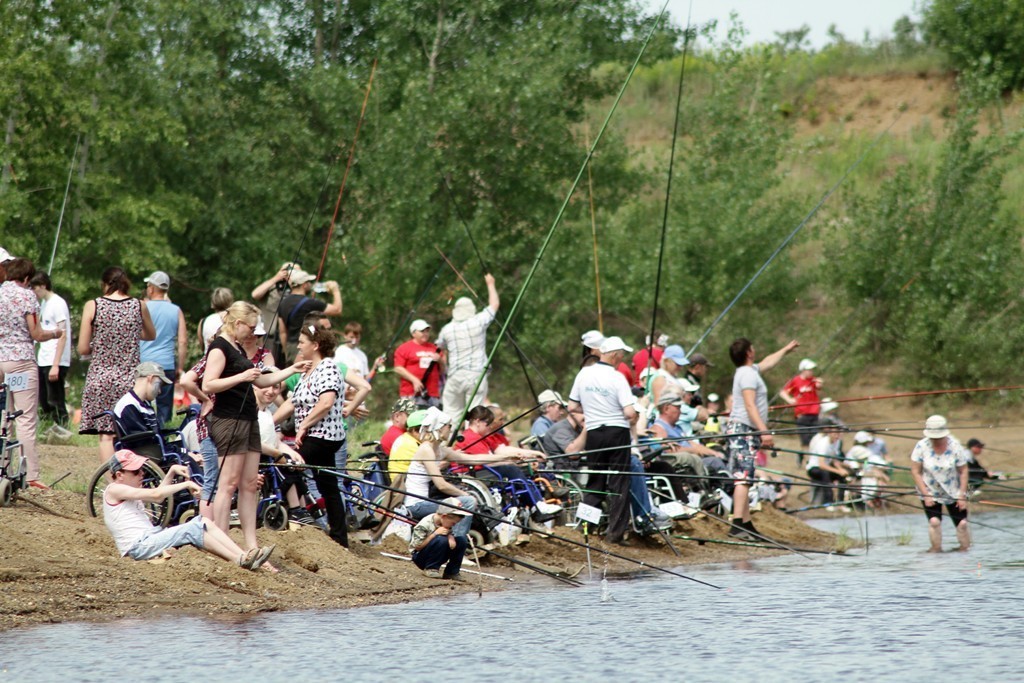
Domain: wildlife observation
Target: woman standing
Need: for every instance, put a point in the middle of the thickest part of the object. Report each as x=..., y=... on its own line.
x=320, y=411
x=747, y=430
x=112, y=326
x=19, y=327
x=939, y=465
x=230, y=375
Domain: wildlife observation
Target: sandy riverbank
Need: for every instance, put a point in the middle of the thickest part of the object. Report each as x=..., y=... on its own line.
x=58, y=564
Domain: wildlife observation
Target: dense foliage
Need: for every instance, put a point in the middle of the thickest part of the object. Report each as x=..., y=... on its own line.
x=980, y=35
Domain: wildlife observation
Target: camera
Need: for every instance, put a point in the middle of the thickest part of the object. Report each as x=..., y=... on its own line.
x=319, y=288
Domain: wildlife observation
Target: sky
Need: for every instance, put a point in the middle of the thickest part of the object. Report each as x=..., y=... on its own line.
x=762, y=18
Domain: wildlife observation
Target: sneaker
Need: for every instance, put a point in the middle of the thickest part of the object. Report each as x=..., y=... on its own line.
x=541, y=517
x=710, y=500
x=645, y=527
x=301, y=516
x=432, y=573
x=749, y=526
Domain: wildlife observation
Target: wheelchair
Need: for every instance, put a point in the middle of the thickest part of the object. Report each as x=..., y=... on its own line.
x=12, y=456
x=161, y=450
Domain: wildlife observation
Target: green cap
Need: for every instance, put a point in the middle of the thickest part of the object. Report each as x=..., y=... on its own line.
x=416, y=419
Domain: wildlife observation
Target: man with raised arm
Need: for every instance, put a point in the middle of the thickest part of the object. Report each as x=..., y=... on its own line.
x=464, y=344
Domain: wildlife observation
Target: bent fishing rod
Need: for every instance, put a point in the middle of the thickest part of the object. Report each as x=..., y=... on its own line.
x=909, y=394
x=483, y=515
x=64, y=204
x=789, y=238
x=668, y=193
x=565, y=204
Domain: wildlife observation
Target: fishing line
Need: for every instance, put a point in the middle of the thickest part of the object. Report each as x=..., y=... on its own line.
x=348, y=167
x=668, y=192
x=541, y=532
x=789, y=238
x=561, y=211
x=67, y=190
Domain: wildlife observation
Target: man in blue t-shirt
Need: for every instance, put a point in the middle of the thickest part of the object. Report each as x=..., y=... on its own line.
x=171, y=336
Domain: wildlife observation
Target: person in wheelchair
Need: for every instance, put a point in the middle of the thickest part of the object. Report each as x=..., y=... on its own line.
x=125, y=515
x=673, y=453
x=134, y=414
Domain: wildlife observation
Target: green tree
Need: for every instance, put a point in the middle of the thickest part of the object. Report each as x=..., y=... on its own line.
x=984, y=35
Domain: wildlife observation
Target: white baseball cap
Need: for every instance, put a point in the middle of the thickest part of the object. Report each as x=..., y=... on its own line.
x=418, y=326
x=611, y=344
x=592, y=339
x=807, y=364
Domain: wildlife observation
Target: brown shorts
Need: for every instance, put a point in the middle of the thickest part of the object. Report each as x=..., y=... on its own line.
x=234, y=436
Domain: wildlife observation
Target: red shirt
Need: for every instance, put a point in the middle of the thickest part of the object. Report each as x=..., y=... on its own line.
x=640, y=360
x=626, y=372
x=416, y=359
x=805, y=391
x=388, y=440
x=496, y=439
x=473, y=443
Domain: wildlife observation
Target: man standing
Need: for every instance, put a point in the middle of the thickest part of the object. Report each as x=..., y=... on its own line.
x=609, y=408
x=298, y=304
x=464, y=342
x=418, y=364
x=54, y=356
x=640, y=358
x=801, y=392
x=169, y=322
x=267, y=295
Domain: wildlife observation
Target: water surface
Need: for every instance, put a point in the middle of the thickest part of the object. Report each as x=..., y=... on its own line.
x=893, y=613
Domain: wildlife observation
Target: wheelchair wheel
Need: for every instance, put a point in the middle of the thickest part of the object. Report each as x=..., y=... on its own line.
x=481, y=492
x=6, y=491
x=159, y=512
x=275, y=516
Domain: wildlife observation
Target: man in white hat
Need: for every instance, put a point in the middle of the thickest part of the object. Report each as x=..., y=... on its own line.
x=592, y=341
x=604, y=397
x=939, y=465
x=464, y=344
x=169, y=348
x=801, y=392
x=300, y=303
x=552, y=409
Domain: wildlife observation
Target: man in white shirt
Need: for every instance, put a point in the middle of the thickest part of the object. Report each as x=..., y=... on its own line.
x=603, y=395
x=53, y=357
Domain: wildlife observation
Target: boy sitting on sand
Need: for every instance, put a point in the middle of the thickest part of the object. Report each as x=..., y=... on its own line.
x=134, y=534
x=433, y=542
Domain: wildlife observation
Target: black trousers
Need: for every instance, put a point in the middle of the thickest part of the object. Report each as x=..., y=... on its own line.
x=52, y=402
x=617, y=440
x=320, y=453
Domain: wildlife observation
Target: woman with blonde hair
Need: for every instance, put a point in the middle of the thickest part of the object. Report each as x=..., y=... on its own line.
x=230, y=375
x=221, y=299
x=112, y=326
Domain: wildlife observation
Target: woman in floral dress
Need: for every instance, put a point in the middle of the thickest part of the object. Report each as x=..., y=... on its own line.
x=112, y=327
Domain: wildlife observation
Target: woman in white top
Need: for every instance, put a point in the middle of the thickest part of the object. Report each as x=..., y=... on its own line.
x=320, y=411
x=220, y=301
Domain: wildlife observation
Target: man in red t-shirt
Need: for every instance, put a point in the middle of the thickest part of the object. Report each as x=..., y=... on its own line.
x=801, y=392
x=419, y=366
x=640, y=357
x=399, y=415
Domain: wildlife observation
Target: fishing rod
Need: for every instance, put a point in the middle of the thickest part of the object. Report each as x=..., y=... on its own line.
x=839, y=457
x=593, y=232
x=969, y=521
x=541, y=532
x=701, y=541
x=668, y=193
x=540, y=570
x=348, y=167
x=520, y=354
x=561, y=211
x=394, y=556
x=649, y=516
x=789, y=238
x=67, y=190
x=912, y=394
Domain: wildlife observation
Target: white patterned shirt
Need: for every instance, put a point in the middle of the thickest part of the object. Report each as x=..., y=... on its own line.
x=939, y=469
x=324, y=377
x=466, y=342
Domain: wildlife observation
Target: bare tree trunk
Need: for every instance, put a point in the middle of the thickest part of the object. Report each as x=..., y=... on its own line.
x=435, y=50
x=318, y=31
x=5, y=172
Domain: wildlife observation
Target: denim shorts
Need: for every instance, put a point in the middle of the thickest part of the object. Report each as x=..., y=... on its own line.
x=211, y=468
x=150, y=546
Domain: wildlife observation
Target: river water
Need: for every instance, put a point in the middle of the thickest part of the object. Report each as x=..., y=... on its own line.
x=894, y=613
